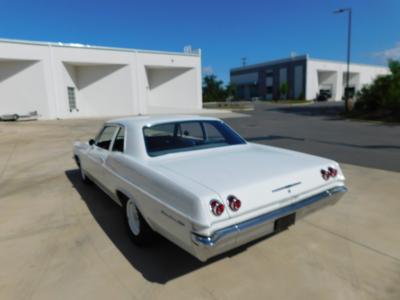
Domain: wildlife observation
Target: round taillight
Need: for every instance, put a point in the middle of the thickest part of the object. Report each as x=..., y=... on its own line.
x=325, y=174
x=234, y=203
x=217, y=208
x=332, y=172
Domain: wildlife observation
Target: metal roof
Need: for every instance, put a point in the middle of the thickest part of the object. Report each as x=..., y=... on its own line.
x=82, y=46
x=297, y=58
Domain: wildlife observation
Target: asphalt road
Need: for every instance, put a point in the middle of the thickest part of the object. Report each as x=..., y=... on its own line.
x=319, y=129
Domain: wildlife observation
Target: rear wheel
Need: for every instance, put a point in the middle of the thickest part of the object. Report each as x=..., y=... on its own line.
x=138, y=229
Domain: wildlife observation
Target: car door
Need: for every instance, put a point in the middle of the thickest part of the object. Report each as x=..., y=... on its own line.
x=99, y=151
x=117, y=148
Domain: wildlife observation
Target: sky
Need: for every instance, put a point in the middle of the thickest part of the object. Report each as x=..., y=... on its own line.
x=226, y=31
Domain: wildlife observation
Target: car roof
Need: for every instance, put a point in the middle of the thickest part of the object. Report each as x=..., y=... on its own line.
x=157, y=119
x=135, y=145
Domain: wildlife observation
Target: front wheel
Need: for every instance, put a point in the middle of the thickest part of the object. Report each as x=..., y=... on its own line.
x=138, y=229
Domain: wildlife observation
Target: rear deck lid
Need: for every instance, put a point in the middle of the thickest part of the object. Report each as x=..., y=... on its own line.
x=260, y=176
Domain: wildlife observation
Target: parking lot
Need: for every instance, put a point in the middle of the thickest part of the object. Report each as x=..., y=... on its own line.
x=60, y=239
x=321, y=130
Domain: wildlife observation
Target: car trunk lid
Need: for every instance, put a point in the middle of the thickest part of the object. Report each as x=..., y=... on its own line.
x=261, y=177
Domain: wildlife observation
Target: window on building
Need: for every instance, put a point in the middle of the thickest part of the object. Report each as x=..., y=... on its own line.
x=240, y=91
x=253, y=91
x=269, y=81
x=71, y=98
x=282, y=75
x=298, y=82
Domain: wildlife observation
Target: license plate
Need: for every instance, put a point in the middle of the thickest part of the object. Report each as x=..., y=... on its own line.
x=284, y=222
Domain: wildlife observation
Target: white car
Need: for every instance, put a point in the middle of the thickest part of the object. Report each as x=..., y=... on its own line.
x=198, y=183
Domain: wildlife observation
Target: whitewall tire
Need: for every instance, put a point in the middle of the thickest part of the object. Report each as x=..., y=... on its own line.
x=138, y=229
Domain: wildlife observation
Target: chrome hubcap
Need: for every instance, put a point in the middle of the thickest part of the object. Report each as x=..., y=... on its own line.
x=133, y=217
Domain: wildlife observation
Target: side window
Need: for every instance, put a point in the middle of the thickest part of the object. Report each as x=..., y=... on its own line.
x=119, y=140
x=213, y=134
x=105, y=137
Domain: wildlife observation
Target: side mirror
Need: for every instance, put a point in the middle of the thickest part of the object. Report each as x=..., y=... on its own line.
x=91, y=142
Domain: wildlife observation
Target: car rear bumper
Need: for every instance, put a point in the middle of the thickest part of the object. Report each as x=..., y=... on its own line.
x=239, y=234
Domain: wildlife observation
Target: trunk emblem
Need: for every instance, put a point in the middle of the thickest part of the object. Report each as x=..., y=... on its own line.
x=286, y=187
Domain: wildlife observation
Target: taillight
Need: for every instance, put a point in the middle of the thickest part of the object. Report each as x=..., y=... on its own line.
x=217, y=207
x=234, y=203
x=332, y=172
x=325, y=174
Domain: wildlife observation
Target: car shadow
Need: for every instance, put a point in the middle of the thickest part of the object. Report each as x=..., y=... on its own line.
x=159, y=262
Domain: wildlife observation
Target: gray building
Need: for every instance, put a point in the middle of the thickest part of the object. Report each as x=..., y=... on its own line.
x=305, y=78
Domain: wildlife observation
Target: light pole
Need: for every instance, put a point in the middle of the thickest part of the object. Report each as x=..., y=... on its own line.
x=346, y=93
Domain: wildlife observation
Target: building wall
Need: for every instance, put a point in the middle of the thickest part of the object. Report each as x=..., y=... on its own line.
x=29, y=97
x=304, y=76
x=162, y=81
x=107, y=82
x=335, y=73
x=102, y=85
x=259, y=78
x=166, y=87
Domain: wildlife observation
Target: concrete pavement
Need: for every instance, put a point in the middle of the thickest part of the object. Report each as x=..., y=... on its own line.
x=60, y=239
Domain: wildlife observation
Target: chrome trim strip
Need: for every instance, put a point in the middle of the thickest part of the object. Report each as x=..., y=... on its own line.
x=286, y=187
x=210, y=241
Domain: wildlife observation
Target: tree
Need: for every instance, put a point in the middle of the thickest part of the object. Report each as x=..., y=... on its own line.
x=231, y=90
x=383, y=95
x=283, y=90
x=213, y=89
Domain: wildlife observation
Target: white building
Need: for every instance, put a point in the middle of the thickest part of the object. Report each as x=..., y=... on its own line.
x=71, y=80
x=306, y=77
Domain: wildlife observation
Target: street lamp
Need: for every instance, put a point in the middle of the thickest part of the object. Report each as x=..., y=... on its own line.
x=346, y=93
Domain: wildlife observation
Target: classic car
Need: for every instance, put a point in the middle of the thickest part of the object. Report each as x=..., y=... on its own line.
x=198, y=183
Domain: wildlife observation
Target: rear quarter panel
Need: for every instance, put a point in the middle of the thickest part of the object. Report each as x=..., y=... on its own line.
x=171, y=207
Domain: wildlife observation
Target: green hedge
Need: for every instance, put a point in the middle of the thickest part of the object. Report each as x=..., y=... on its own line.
x=383, y=95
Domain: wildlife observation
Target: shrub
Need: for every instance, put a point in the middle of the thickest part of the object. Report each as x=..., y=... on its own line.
x=214, y=89
x=383, y=94
x=283, y=90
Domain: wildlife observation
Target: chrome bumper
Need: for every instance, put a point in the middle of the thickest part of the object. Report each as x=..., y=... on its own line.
x=235, y=235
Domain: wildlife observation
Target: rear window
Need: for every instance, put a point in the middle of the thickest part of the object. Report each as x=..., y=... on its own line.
x=187, y=136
